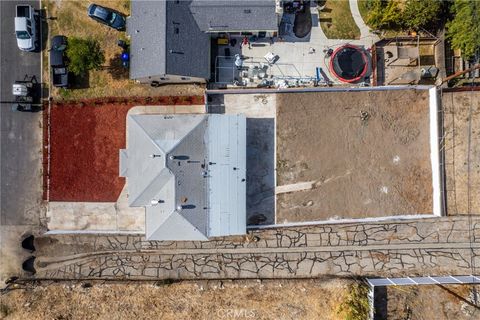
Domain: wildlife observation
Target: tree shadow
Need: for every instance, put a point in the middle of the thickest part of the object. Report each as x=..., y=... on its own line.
x=79, y=82
x=303, y=23
x=116, y=69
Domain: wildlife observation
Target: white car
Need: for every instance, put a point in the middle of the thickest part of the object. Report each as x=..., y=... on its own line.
x=25, y=27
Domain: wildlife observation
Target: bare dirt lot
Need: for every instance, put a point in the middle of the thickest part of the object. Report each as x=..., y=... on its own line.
x=353, y=155
x=305, y=299
x=440, y=302
x=459, y=108
x=85, y=138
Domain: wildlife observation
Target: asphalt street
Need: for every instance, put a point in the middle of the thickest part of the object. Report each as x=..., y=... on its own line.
x=21, y=132
x=20, y=146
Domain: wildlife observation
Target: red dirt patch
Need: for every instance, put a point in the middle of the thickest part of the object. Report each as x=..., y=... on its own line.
x=85, y=138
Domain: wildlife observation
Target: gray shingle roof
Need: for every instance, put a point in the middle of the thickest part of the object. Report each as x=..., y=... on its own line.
x=193, y=167
x=146, y=27
x=228, y=15
x=188, y=48
x=171, y=37
x=166, y=40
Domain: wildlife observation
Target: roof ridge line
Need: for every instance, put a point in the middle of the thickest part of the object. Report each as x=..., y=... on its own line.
x=133, y=116
x=184, y=220
x=205, y=118
x=151, y=182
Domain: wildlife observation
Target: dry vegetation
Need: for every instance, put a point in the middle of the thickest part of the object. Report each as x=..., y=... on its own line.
x=70, y=18
x=449, y=302
x=293, y=299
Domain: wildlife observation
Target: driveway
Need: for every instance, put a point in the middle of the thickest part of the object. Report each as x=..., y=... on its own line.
x=21, y=146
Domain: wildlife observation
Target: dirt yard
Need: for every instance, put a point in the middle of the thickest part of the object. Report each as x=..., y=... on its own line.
x=440, y=302
x=70, y=18
x=305, y=299
x=353, y=155
x=456, y=107
x=85, y=140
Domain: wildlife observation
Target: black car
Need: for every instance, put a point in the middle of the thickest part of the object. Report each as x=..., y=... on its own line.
x=58, y=61
x=107, y=16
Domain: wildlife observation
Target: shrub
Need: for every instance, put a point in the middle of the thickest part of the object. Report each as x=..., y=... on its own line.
x=84, y=55
x=356, y=305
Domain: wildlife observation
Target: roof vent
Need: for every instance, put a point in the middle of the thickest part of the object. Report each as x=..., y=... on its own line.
x=247, y=11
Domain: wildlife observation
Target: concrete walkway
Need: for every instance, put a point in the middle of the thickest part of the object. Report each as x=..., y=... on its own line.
x=426, y=247
x=365, y=33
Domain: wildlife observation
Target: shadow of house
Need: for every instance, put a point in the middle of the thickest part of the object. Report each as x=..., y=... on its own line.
x=260, y=171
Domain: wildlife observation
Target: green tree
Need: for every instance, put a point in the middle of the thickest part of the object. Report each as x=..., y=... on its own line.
x=401, y=14
x=384, y=14
x=84, y=55
x=464, y=29
x=422, y=14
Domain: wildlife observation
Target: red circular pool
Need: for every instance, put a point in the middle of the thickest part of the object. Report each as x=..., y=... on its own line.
x=349, y=63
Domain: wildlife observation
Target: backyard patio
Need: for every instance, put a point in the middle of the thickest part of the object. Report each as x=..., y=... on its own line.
x=299, y=61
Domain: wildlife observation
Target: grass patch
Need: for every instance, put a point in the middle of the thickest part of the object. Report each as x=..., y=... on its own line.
x=337, y=22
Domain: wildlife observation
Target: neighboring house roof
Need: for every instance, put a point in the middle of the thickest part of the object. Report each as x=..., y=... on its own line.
x=227, y=15
x=193, y=169
x=165, y=40
x=171, y=37
x=146, y=27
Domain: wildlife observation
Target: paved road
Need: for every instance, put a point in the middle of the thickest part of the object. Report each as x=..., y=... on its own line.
x=436, y=246
x=20, y=141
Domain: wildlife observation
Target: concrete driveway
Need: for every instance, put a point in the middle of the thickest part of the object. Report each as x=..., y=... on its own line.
x=21, y=148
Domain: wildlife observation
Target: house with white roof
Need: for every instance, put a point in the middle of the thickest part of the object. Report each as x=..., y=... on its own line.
x=189, y=172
